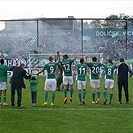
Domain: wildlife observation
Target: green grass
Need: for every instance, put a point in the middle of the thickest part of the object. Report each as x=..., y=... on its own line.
x=70, y=117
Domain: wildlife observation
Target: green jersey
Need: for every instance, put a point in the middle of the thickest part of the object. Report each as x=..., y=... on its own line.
x=94, y=69
x=81, y=71
x=67, y=67
x=109, y=71
x=51, y=69
x=3, y=72
x=34, y=84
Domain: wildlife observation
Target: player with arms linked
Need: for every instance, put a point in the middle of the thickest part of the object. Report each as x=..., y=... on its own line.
x=109, y=79
x=50, y=83
x=67, y=75
x=81, y=80
x=94, y=77
x=3, y=81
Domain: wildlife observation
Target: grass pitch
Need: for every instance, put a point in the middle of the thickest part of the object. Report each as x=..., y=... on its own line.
x=70, y=117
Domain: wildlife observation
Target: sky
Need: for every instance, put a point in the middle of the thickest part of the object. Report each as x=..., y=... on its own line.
x=14, y=9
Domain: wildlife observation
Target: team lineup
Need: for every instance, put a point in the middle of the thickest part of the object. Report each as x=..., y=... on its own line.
x=94, y=67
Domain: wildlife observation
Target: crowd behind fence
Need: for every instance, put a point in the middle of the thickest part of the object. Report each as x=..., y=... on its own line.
x=19, y=38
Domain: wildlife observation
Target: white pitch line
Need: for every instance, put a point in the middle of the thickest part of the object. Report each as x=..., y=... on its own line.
x=69, y=109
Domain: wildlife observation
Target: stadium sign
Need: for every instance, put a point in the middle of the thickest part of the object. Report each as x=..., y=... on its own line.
x=34, y=63
x=15, y=34
x=107, y=33
x=13, y=62
x=57, y=24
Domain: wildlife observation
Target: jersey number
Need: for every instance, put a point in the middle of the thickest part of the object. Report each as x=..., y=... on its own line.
x=51, y=69
x=109, y=71
x=66, y=67
x=81, y=70
x=95, y=70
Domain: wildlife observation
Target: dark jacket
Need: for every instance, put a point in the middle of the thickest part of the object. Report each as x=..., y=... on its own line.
x=18, y=76
x=123, y=70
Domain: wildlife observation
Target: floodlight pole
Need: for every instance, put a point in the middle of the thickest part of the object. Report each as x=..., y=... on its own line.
x=132, y=42
x=82, y=35
x=37, y=35
x=126, y=37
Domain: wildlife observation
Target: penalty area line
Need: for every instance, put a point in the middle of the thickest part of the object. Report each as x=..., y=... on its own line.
x=69, y=109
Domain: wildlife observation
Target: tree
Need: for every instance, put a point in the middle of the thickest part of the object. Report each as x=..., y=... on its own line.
x=117, y=21
x=96, y=23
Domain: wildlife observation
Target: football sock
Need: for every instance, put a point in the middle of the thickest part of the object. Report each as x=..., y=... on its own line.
x=79, y=95
x=45, y=96
x=111, y=96
x=65, y=92
x=93, y=96
x=53, y=97
x=0, y=99
x=71, y=92
x=84, y=94
x=4, y=98
x=105, y=94
x=98, y=94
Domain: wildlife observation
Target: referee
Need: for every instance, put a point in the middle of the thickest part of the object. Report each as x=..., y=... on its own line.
x=123, y=70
